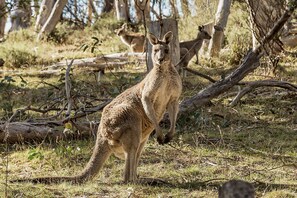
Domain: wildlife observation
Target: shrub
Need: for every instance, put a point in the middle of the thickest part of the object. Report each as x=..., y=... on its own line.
x=18, y=57
x=238, y=41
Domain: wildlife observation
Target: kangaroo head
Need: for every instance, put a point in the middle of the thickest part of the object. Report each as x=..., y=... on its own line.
x=161, y=52
x=122, y=30
x=202, y=34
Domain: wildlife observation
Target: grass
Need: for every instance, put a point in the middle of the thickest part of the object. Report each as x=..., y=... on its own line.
x=254, y=141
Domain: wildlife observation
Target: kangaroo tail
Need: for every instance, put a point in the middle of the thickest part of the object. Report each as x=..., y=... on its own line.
x=100, y=154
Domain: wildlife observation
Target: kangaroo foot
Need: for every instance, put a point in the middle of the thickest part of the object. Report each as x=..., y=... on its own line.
x=167, y=139
x=160, y=139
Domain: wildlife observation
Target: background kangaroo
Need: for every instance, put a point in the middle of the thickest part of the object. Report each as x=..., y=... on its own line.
x=190, y=48
x=134, y=40
x=130, y=118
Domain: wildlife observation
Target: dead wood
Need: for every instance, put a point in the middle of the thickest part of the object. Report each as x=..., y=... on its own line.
x=109, y=61
x=250, y=86
x=249, y=64
x=36, y=131
x=200, y=74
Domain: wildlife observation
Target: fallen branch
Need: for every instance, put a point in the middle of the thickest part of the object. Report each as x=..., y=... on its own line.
x=38, y=131
x=109, y=61
x=29, y=132
x=249, y=64
x=250, y=86
x=200, y=74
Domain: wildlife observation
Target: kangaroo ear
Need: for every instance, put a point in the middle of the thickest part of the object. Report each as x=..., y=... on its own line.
x=200, y=28
x=152, y=38
x=168, y=37
x=124, y=25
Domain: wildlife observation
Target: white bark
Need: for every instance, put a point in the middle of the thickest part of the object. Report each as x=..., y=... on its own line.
x=45, y=9
x=140, y=7
x=122, y=10
x=53, y=19
x=221, y=19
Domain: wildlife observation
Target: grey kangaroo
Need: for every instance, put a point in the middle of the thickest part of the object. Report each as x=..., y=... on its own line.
x=128, y=121
x=190, y=48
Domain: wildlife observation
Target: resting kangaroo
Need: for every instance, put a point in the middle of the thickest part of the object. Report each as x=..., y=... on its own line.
x=130, y=118
x=190, y=48
x=134, y=40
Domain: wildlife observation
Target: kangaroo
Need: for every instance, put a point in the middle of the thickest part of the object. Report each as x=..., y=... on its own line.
x=190, y=48
x=236, y=189
x=134, y=40
x=131, y=117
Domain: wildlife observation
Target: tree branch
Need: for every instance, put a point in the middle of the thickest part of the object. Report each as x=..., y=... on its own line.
x=249, y=64
x=268, y=83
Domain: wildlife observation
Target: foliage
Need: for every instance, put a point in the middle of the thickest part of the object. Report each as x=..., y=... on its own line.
x=35, y=154
x=238, y=34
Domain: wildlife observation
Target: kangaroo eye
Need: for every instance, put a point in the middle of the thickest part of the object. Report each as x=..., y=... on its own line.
x=166, y=51
x=156, y=50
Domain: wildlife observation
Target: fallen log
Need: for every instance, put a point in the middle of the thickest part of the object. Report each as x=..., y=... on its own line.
x=109, y=61
x=35, y=132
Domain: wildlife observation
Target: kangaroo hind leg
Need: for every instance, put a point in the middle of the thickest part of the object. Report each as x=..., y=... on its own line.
x=131, y=145
x=172, y=109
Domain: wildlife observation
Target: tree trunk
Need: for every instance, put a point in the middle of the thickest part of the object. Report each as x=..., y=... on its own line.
x=159, y=30
x=53, y=19
x=122, y=10
x=222, y=14
x=140, y=7
x=108, y=6
x=2, y=18
x=90, y=12
x=209, y=28
x=45, y=9
x=21, y=15
x=263, y=15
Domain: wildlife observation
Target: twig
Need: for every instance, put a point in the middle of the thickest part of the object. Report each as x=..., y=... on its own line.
x=68, y=88
x=273, y=155
x=85, y=112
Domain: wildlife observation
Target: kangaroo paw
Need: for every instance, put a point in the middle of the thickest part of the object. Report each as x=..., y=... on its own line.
x=167, y=139
x=160, y=139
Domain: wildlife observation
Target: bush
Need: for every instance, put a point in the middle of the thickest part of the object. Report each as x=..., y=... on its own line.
x=239, y=41
x=18, y=57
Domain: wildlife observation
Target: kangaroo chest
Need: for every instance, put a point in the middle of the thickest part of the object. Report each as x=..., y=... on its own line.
x=168, y=87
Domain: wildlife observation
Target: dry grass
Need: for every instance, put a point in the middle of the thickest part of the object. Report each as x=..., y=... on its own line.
x=254, y=141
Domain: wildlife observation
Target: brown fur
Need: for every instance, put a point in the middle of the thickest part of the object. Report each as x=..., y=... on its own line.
x=134, y=40
x=190, y=48
x=130, y=118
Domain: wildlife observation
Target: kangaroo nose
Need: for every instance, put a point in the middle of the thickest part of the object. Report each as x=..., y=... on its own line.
x=160, y=59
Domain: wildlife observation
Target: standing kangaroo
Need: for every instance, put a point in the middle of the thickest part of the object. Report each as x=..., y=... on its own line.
x=134, y=40
x=190, y=48
x=130, y=118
